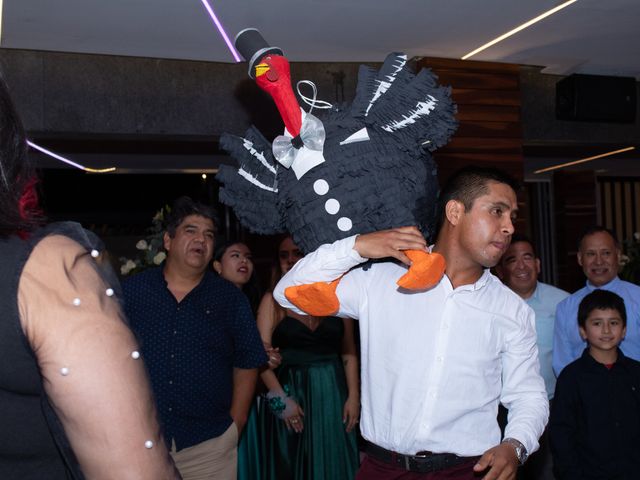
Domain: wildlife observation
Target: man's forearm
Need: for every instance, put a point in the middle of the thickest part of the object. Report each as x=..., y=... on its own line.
x=244, y=386
x=326, y=264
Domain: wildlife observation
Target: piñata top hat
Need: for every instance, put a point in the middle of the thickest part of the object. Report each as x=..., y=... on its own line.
x=253, y=47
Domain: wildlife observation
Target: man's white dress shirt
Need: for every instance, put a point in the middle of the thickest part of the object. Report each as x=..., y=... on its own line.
x=435, y=364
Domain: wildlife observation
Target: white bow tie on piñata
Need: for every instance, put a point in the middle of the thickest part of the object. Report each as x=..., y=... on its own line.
x=304, y=152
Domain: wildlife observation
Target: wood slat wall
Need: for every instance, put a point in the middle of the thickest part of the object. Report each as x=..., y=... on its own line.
x=620, y=205
x=490, y=130
x=575, y=209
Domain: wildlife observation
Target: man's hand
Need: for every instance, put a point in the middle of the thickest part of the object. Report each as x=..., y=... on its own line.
x=390, y=243
x=501, y=461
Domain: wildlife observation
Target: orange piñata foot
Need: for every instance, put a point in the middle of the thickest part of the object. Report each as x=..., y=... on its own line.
x=425, y=271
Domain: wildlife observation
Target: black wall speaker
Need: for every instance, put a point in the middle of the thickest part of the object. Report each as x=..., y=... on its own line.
x=596, y=98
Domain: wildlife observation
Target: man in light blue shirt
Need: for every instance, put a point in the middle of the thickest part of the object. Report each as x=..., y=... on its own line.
x=599, y=256
x=519, y=268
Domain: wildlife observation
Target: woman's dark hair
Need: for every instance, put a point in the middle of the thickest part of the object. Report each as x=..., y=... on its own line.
x=601, y=300
x=252, y=288
x=182, y=208
x=276, y=271
x=19, y=211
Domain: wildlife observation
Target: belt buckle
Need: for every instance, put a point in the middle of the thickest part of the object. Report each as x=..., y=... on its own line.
x=423, y=454
x=421, y=462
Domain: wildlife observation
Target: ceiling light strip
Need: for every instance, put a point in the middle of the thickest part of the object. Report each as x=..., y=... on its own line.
x=1, y=22
x=220, y=28
x=517, y=29
x=69, y=162
x=584, y=160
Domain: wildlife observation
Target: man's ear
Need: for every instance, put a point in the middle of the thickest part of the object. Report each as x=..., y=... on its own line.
x=454, y=210
x=217, y=266
x=579, y=257
x=166, y=241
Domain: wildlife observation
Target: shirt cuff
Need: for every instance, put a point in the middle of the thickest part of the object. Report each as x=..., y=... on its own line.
x=349, y=244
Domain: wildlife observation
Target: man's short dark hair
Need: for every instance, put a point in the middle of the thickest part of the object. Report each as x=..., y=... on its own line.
x=519, y=237
x=469, y=183
x=601, y=300
x=597, y=229
x=185, y=206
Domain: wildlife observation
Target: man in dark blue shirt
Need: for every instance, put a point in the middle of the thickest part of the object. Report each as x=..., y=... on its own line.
x=200, y=344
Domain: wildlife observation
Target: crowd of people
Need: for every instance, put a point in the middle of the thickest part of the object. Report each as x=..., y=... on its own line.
x=190, y=371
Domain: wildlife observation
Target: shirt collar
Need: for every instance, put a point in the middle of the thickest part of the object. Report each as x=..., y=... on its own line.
x=620, y=361
x=481, y=282
x=606, y=286
x=536, y=293
x=208, y=276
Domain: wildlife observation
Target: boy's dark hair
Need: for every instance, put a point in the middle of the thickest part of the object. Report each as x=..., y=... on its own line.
x=185, y=206
x=597, y=229
x=469, y=183
x=601, y=300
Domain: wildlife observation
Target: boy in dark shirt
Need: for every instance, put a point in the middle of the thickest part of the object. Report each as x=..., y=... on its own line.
x=595, y=416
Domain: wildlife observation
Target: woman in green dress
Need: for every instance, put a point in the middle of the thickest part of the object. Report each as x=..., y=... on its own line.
x=233, y=262
x=313, y=399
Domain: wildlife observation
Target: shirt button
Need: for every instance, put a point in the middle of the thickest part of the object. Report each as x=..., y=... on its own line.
x=172, y=355
x=439, y=358
x=170, y=409
x=170, y=382
x=175, y=332
x=433, y=394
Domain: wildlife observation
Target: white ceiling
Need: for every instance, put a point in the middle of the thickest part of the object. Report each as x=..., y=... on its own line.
x=589, y=36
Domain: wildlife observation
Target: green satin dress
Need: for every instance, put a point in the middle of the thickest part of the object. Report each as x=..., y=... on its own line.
x=250, y=445
x=312, y=369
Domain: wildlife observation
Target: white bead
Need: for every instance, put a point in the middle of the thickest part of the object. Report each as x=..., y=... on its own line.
x=76, y=302
x=135, y=355
x=148, y=444
x=332, y=206
x=345, y=224
x=64, y=371
x=320, y=186
x=109, y=292
x=95, y=253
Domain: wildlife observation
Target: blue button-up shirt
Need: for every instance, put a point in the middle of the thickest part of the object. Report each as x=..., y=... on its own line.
x=567, y=343
x=544, y=301
x=190, y=349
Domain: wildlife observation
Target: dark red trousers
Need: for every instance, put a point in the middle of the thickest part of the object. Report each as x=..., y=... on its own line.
x=372, y=469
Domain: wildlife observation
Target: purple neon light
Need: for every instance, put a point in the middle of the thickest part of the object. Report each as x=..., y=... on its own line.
x=221, y=30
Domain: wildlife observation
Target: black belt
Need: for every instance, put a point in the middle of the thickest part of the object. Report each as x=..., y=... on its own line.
x=422, y=462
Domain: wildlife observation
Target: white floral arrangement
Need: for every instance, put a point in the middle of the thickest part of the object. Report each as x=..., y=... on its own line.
x=150, y=249
x=630, y=260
